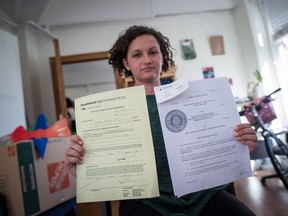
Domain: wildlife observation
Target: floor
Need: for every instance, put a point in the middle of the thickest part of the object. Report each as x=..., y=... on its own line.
x=268, y=200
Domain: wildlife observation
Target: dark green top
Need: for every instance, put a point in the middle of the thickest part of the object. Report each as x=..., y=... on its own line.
x=167, y=203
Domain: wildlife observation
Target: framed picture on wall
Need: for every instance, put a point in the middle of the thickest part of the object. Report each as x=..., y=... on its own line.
x=217, y=45
x=208, y=72
x=187, y=48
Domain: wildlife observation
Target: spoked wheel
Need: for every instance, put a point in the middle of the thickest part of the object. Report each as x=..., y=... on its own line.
x=281, y=172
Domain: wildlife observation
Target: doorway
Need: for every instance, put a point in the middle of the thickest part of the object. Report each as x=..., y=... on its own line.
x=56, y=64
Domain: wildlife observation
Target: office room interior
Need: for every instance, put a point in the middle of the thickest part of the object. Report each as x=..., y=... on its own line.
x=253, y=39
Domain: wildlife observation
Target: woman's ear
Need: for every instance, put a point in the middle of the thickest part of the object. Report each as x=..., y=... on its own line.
x=125, y=63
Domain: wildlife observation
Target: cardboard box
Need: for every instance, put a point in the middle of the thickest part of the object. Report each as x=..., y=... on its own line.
x=32, y=184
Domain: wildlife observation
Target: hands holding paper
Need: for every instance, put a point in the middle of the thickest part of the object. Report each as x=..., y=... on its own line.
x=119, y=160
x=203, y=133
x=246, y=135
x=198, y=133
x=75, y=152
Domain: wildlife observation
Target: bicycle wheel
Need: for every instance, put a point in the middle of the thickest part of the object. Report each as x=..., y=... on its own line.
x=270, y=141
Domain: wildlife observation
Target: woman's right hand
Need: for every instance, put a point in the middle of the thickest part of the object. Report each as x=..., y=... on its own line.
x=74, y=154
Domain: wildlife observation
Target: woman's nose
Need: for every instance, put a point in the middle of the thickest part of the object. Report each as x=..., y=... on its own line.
x=147, y=59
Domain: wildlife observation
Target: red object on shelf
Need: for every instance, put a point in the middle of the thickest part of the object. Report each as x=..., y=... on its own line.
x=58, y=129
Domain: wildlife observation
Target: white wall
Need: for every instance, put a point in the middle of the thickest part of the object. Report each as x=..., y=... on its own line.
x=199, y=27
x=87, y=77
x=238, y=27
x=246, y=40
x=36, y=48
x=12, y=111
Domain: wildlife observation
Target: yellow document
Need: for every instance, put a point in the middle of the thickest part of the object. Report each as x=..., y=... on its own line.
x=119, y=161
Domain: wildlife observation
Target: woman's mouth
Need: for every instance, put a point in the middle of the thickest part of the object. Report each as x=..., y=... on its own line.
x=148, y=69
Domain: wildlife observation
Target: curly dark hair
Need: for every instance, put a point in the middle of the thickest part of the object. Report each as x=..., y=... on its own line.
x=120, y=48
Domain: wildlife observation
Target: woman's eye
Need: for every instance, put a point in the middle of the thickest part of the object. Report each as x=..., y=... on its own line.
x=136, y=55
x=154, y=52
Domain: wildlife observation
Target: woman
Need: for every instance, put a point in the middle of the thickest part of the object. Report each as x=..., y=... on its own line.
x=145, y=53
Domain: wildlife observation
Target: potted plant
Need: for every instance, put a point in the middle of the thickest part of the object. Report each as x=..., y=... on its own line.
x=258, y=77
x=256, y=90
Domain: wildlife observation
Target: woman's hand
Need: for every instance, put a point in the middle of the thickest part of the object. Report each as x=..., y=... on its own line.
x=246, y=135
x=74, y=154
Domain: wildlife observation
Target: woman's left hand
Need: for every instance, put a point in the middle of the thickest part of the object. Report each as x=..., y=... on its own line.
x=246, y=135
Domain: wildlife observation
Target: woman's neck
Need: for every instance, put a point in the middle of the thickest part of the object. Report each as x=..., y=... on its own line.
x=149, y=87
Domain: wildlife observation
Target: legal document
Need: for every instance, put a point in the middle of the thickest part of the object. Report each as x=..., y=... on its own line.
x=197, y=120
x=119, y=161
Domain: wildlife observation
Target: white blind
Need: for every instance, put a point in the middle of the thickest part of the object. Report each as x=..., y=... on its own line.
x=277, y=11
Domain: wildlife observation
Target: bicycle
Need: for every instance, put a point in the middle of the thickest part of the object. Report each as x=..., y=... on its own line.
x=259, y=113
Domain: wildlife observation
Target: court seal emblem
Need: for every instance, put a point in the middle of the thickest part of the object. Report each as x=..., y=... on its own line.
x=176, y=121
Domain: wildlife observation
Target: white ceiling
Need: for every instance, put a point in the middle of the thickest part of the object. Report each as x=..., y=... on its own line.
x=51, y=13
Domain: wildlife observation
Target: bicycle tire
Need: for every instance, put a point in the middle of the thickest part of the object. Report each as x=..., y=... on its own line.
x=281, y=172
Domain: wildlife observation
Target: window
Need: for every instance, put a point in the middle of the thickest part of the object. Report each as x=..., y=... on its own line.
x=277, y=11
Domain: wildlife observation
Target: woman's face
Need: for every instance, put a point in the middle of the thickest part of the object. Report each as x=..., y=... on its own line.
x=144, y=59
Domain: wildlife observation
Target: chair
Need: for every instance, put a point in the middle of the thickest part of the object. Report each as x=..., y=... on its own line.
x=106, y=208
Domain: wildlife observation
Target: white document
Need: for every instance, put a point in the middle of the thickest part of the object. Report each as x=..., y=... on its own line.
x=197, y=125
x=119, y=161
